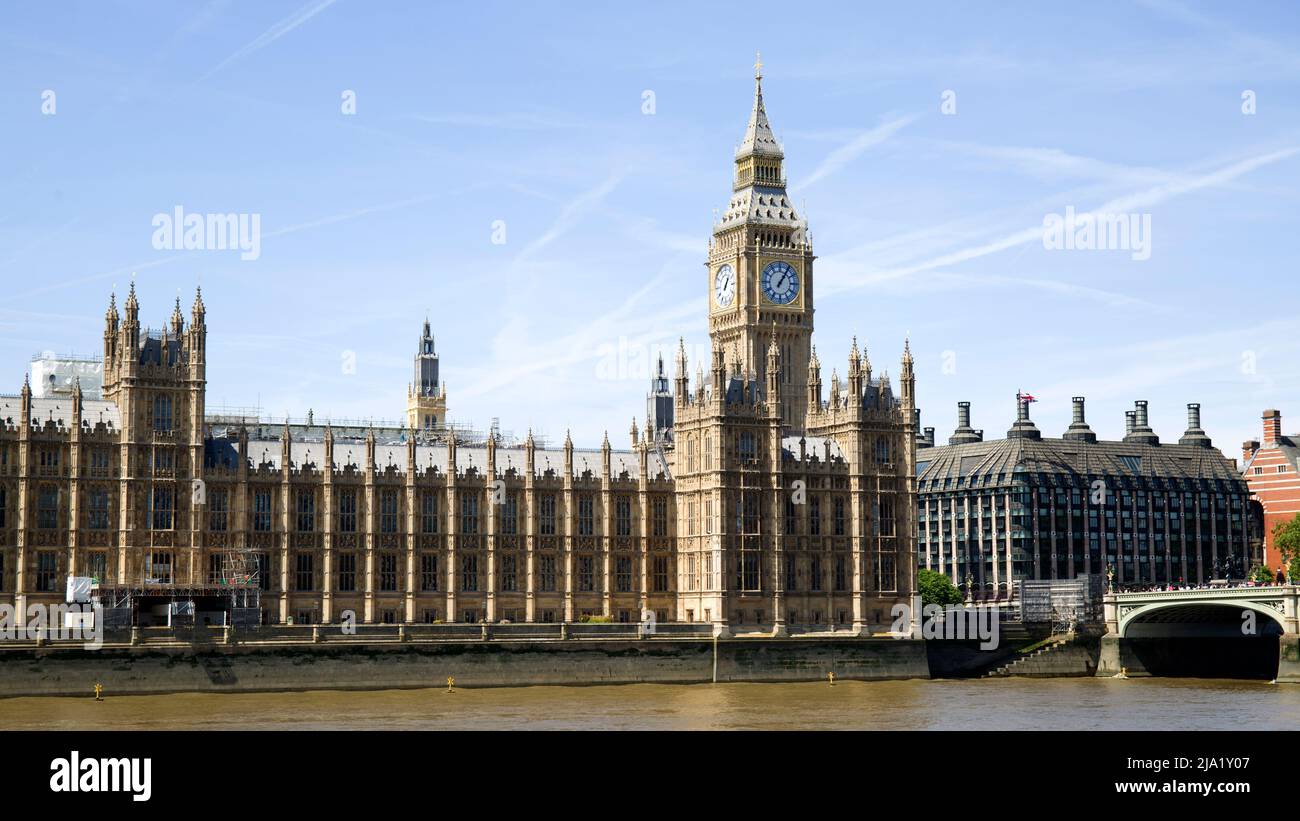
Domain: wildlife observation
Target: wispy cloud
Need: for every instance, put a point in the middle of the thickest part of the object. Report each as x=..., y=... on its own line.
x=571, y=214
x=949, y=281
x=351, y=215
x=1056, y=164
x=851, y=150
x=131, y=270
x=841, y=278
x=516, y=121
x=272, y=34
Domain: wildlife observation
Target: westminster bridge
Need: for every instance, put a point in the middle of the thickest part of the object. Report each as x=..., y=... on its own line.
x=1147, y=629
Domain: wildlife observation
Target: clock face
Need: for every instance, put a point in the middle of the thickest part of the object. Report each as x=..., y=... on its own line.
x=724, y=286
x=780, y=283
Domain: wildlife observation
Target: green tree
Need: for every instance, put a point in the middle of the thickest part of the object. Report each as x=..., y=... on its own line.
x=1261, y=575
x=1286, y=540
x=936, y=588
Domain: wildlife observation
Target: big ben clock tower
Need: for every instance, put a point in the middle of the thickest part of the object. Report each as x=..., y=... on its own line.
x=760, y=265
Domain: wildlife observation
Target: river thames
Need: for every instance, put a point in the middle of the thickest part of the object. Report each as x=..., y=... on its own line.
x=994, y=704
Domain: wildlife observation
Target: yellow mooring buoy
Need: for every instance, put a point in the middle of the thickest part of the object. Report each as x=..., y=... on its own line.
x=451, y=684
x=99, y=688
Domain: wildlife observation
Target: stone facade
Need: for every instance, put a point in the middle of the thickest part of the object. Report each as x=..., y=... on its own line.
x=748, y=501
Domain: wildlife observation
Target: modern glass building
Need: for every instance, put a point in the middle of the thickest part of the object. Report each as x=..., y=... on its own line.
x=1029, y=507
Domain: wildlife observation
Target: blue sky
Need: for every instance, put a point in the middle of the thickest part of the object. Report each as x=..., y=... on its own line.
x=925, y=223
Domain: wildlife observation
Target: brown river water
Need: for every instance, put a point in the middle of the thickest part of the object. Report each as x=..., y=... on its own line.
x=998, y=704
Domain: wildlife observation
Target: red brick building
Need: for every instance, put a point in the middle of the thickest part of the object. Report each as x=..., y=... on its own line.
x=1272, y=471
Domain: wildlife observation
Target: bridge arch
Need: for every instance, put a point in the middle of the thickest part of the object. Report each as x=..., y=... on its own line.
x=1142, y=614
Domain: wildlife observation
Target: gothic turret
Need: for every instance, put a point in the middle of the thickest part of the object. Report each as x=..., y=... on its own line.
x=111, y=324
x=659, y=402
x=177, y=321
x=907, y=379
x=426, y=397
x=773, y=372
x=814, y=383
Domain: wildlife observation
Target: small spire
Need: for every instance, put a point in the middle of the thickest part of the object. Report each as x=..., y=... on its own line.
x=132, y=304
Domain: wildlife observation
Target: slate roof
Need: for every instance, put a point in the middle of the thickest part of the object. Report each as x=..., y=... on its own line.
x=998, y=459
x=59, y=409
x=224, y=450
x=1288, y=446
x=762, y=205
x=758, y=133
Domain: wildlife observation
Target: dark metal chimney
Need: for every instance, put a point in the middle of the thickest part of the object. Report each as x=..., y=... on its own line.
x=964, y=434
x=1023, y=428
x=1141, y=432
x=1079, y=430
x=1194, y=435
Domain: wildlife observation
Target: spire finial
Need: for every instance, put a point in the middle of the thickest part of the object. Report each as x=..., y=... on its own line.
x=758, y=65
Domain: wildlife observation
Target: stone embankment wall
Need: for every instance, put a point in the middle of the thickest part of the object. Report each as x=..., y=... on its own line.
x=246, y=668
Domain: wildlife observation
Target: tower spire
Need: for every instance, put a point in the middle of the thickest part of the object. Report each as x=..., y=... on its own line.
x=758, y=133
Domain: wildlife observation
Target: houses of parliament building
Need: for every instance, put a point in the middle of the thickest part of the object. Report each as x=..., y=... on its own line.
x=752, y=497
